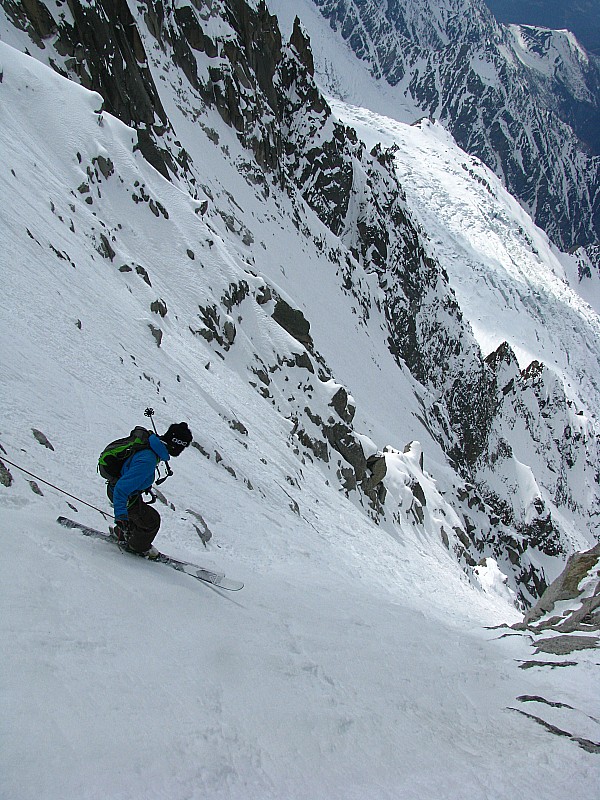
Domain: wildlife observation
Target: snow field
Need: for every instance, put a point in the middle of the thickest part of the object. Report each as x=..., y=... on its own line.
x=146, y=684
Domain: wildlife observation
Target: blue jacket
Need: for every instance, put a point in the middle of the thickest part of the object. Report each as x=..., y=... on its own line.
x=137, y=474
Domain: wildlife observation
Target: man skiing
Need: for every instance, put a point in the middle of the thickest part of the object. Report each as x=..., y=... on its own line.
x=137, y=522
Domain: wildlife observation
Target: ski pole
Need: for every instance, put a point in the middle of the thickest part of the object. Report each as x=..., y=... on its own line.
x=149, y=412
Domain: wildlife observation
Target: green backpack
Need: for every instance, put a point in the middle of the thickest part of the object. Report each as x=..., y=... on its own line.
x=116, y=453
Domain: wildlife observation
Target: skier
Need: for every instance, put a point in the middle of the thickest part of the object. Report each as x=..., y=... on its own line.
x=137, y=522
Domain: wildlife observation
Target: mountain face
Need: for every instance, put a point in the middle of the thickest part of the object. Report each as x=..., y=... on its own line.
x=523, y=101
x=567, y=77
x=232, y=118
x=580, y=17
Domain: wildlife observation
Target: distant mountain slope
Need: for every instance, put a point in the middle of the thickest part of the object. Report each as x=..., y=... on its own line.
x=582, y=17
x=569, y=78
x=455, y=63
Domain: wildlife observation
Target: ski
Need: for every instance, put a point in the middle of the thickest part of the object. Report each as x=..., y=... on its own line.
x=193, y=570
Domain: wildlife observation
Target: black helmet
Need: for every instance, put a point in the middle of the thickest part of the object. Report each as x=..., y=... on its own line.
x=177, y=438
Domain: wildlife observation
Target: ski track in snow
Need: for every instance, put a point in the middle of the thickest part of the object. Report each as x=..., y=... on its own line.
x=352, y=665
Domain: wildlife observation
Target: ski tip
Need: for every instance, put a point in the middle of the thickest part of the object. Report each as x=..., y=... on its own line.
x=230, y=585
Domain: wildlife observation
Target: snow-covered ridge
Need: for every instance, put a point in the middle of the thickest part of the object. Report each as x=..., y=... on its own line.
x=539, y=42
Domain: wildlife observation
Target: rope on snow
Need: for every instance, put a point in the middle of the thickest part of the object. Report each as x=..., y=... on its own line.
x=47, y=483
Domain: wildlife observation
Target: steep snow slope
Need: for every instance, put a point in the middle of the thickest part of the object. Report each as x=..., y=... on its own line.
x=354, y=662
x=128, y=681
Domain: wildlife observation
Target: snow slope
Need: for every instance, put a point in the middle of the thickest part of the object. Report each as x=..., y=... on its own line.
x=355, y=662
x=127, y=680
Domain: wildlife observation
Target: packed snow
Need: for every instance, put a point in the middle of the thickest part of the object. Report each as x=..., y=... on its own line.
x=357, y=662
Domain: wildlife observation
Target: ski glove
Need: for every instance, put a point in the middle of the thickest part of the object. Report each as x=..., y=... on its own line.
x=122, y=529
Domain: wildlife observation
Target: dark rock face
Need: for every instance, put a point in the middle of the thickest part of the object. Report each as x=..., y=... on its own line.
x=344, y=409
x=293, y=321
x=463, y=68
x=105, y=54
x=320, y=166
x=425, y=323
x=6, y=479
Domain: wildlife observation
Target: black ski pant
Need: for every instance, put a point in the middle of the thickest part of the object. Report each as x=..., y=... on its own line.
x=144, y=522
